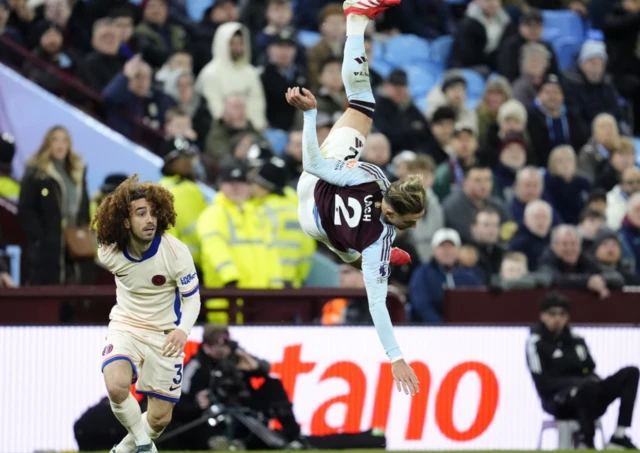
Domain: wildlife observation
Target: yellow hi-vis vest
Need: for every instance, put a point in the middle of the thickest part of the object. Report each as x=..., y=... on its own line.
x=234, y=247
x=9, y=189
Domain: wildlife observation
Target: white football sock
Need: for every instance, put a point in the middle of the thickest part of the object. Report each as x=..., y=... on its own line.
x=129, y=415
x=147, y=427
x=356, y=24
x=620, y=431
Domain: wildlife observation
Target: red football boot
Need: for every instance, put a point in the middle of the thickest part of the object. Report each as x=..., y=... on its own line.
x=399, y=257
x=369, y=8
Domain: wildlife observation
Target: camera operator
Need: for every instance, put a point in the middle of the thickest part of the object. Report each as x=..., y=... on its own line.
x=221, y=372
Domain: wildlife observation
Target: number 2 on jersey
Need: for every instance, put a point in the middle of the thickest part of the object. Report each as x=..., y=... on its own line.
x=341, y=208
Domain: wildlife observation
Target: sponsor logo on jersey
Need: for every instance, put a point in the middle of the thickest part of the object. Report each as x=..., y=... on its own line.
x=174, y=387
x=107, y=349
x=359, y=143
x=187, y=279
x=368, y=201
x=159, y=280
x=339, y=165
x=352, y=163
x=384, y=273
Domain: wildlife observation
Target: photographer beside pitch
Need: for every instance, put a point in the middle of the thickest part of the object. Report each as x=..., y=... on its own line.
x=221, y=372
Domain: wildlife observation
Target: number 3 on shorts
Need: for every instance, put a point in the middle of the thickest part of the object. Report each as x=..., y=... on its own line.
x=178, y=379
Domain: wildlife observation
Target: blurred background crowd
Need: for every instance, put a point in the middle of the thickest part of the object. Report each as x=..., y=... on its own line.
x=518, y=114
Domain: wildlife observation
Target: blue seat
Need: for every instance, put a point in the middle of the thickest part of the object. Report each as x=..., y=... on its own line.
x=196, y=8
x=595, y=35
x=404, y=50
x=440, y=50
x=568, y=22
x=382, y=68
x=324, y=272
x=377, y=50
x=421, y=103
x=278, y=140
x=421, y=79
x=567, y=49
x=308, y=38
x=475, y=83
x=636, y=142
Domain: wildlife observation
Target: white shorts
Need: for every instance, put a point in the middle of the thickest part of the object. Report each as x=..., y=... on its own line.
x=153, y=374
x=340, y=145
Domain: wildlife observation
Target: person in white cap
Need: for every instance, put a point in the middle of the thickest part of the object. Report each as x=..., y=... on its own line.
x=428, y=282
x=589, y=88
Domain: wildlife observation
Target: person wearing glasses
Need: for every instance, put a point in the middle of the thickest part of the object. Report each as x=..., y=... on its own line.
x=563, y=372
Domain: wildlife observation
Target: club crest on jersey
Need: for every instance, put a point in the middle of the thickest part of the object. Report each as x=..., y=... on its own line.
x=352, y=163
x=159, y=280
x=187, y=279
x=107, y=349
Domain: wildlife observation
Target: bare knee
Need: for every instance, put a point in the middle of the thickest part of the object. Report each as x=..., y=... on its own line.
x=159, y=420
x=117, y=379
x=117, y=391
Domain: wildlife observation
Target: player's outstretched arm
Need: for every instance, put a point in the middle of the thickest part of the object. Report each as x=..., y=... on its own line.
x=330, y=170
x=375, y=269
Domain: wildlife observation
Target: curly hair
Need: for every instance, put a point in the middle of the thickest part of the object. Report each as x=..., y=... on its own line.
x=116, y=208
x=407, y=196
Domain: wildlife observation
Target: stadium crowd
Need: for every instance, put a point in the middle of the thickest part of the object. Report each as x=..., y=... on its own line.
x=533, y=184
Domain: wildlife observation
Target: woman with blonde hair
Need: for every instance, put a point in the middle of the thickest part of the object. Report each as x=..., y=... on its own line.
x=605, y=138
x=496, y=93
x=567, y=191
x=53, y=209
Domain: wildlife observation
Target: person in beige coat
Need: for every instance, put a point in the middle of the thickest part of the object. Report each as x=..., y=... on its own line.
x=231, y=73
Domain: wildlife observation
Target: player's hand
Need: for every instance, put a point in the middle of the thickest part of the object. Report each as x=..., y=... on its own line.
x=405, y=377
x=174, y=344
x=301, y=99
x=246, y=362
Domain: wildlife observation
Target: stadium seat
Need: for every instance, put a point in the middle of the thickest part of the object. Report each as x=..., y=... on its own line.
x=595, y=35
x=382, y=68
x=196, y=8
x=440, y=50
x=566, y=22
x=475, y=83
x=421, y=103
x=405, y=50
x=278, y=139
x=377, y=50
x=636, y=142
x=324, y=272
x=421, y=79
x=566, y=429
x=567, y=49
x=308, y=38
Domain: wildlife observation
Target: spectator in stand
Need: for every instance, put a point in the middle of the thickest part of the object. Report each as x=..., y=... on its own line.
x=530, y=31
x=551, y=123
x=110, y=184
x=453, y=93
x=577, y=6
x=572, y=268
x=71, y=19
x=279, y=74
x=123, y=21
x=496, y=93
x=293, y=158
x=513, y=158
x=428, y=19
x=514, y=274
x=176, y=64
x=607, y=250
x=5, y=278
x=177, y=124
x=400, y=276
x=377, y=151
x=132, y=93
x=400, y=163
x=157, y=38
x=451, y=173
x=442, y=124
x=533, y=235
x=332, y=28
x=100, y=66
x=590, y=89
x=332, y=99
x=398, y=118
x=279, y=14
x=220, y=12
x=529, y=186
x=433, y=219
x=597, y=201
x=565, y=189
x=590, y=223
x=605, y=137
x=461, y=207
x=233, y=124
x=9, y=188
x=54, y=193
x=512, y=118
x=485, y=27
x=622, y=32
x=230, y=72
x=180, y=87
x=341, y=311
x=22, y=16
x=535, y=59
x=426, y=289
x=56, y=61
x=621, y=158
x=485, y=231
x=630, y=229
x=618, y=197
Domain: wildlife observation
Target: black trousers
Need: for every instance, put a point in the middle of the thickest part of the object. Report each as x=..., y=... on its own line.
x=272, y=399
x=592, y=398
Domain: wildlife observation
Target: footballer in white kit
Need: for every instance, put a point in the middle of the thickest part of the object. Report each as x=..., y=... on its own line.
x=157, y=304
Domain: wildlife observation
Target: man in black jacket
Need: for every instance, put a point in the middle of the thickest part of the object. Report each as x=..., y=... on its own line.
x=222, y=372
x=572, y=268
x=564, y=375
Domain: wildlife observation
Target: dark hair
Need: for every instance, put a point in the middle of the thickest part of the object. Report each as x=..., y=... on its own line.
x=214, y=333
x=121, y=11
x=554, y=299
x=597, y=195
x=591, y=214
x=486, y=210
x=444, y=113
x=174, y=112
x=329, y=60
x=478, y=166
x=332, y=9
